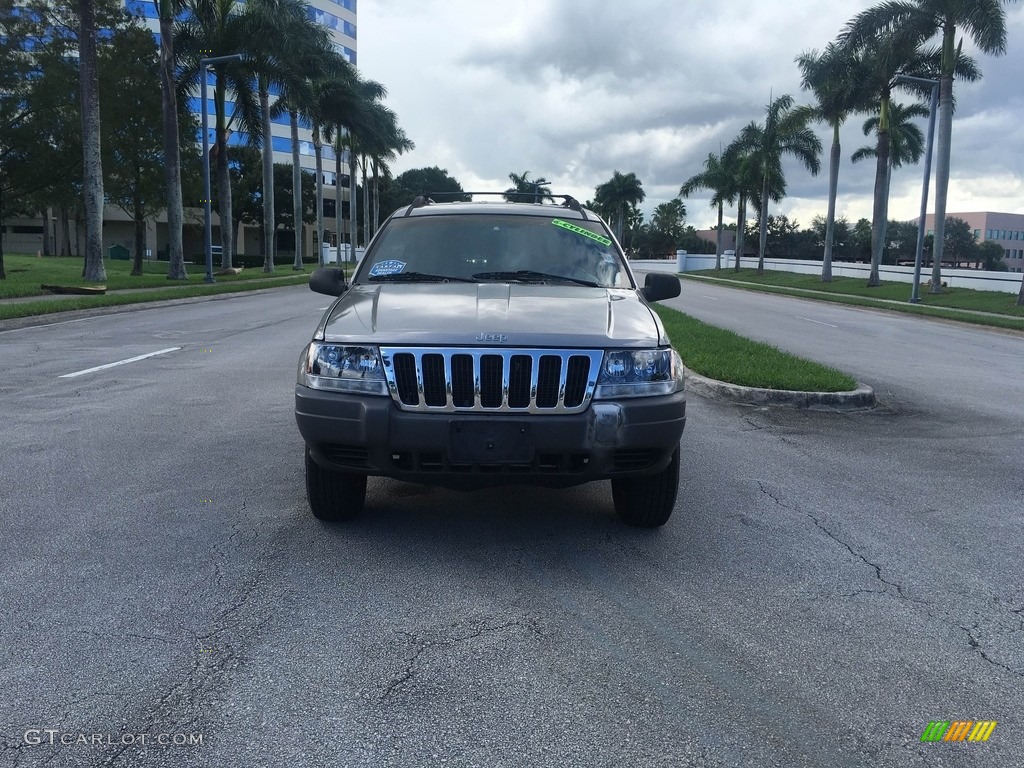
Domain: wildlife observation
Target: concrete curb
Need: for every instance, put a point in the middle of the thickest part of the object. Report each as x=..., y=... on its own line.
x=861, y=398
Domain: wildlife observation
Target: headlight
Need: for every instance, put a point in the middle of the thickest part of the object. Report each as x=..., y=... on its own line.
x=343, y=368
x=639, y=373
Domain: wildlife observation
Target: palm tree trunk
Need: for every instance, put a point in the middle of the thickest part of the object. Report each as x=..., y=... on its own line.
x=353, y=210
x=376, y=197
x=65, y=232
x=140, y=232
x=879, y=210
x=762, y=241
x=268, y=181
x=718, y=240
x=339, y=219
x=318, y=154
x=833, y=193
x=741, y=226
x=942, y=176
x=296, y=189
x=223, y=179
x=366, y=202
x=172, y=153
x=92, y=164
x=47, y=245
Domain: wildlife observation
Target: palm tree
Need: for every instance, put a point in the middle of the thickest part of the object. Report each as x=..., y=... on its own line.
x=167, y=10
x=784, y=132
x=360, y=115
x=919, y=21
x=717, y=178
x=524, y=191
x=216, y=28
x=283, y=35
x=906, y=145
x=835, y=77
x=92, y=165
x=741, y=166
x=620, y=191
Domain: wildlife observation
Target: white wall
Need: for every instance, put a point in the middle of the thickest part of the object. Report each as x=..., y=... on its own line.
x=1008, y=282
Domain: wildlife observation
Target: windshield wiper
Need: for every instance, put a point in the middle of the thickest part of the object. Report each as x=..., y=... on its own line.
x=417, y=277
x=530, y=276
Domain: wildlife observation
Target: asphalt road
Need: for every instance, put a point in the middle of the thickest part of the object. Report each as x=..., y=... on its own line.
x=828, y=585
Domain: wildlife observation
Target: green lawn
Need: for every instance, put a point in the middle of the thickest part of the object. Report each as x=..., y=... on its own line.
x=996, y=302
x=726, y=356
x=25, y=275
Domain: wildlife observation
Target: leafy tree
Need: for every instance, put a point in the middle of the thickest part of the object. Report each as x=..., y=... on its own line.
x=990, y=255
x=836, y=77
x=621, y=194
x=401, y=190
x=717, y=178
x=960, y=244
x=134, y=147
x=919, y=21
x=523, y=190
x=667, y=229
x=784, y=132
x=901, y=242
x=861, y=241
x=841, y=234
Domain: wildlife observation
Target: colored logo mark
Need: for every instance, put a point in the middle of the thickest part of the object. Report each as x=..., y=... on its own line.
x=958, y=730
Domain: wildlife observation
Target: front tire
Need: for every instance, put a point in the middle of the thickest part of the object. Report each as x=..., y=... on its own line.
x=333, y=496
x=647, y=502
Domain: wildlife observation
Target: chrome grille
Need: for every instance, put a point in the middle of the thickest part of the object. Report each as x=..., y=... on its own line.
x=503, y=380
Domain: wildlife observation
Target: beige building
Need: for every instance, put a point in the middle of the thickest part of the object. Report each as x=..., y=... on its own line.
x=1006, y=229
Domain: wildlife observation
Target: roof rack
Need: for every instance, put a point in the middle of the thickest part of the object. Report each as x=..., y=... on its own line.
x=568, y=201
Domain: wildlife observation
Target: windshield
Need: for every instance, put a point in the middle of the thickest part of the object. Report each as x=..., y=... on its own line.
x=495, y=248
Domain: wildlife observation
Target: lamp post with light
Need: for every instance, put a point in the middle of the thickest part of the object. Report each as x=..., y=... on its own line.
x=204, y=65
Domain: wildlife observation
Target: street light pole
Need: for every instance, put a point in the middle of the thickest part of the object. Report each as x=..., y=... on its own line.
x=204, y=63
x=918, y=255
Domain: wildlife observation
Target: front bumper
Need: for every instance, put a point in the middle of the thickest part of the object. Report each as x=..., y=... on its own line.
x=371, y=435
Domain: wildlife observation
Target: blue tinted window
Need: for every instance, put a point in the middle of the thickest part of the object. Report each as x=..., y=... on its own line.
x=145, y=8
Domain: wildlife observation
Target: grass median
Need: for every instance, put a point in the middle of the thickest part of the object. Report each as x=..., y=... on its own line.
x=26, y=274
x=953, y=303
x=727, y=356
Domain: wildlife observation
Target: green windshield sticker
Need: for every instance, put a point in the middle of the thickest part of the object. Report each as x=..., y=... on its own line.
x=581, y=231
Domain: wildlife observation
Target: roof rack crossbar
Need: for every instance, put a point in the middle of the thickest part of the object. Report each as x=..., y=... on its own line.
x=568, y=201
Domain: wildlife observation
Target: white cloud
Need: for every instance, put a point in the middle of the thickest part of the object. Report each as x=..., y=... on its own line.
x=572, y=90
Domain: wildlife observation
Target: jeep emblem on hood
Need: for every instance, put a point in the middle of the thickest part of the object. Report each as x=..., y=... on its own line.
x=499, y=338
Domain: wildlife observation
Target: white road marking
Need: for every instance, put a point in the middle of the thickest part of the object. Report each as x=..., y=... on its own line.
x=119, y=362
x=322, y=309
x=709, y=297
x=815, y=321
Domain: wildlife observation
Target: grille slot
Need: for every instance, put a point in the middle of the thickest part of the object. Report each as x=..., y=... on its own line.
x=489, y=379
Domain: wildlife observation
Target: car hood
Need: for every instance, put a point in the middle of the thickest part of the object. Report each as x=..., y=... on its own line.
x=492, y=314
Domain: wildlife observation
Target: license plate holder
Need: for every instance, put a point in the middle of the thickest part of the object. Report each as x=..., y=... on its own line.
x=490, y=442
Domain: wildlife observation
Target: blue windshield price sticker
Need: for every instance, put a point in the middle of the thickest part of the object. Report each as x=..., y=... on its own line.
x=390, y=267
x=581, y=231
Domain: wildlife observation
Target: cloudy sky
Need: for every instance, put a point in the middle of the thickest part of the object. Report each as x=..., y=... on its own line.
x=572, y=90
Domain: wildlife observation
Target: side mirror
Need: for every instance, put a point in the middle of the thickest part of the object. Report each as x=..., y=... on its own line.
x=328, y=280
x=659, y=286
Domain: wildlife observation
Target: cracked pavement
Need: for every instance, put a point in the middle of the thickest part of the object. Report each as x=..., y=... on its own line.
x=828, y=585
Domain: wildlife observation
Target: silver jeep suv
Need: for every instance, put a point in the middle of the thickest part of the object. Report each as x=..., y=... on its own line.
x=494, y=343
